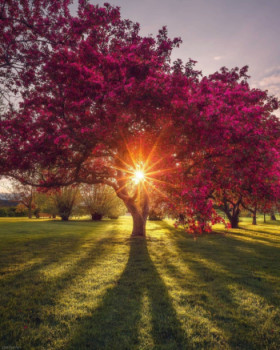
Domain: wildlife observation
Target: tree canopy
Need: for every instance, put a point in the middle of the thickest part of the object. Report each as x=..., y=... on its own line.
x=99, y=102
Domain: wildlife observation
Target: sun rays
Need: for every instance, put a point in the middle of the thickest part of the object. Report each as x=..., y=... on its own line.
x=139, y=169
x=139, y=176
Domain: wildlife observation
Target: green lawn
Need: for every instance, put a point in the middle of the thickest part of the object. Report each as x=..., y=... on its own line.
x=84, y=285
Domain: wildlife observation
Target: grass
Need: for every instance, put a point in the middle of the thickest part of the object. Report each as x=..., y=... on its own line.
x=85, y=285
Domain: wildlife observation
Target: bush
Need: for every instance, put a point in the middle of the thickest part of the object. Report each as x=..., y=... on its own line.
x=3, y=212
x=11, y=212
x=37, y=213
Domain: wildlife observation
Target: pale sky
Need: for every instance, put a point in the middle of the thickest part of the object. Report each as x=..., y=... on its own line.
x=216, y=33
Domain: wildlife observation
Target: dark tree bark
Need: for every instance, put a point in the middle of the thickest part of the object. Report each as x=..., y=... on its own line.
x=253, y=210
x=264, y=219
x=234, y=220
x=30, y=212
x=96, y=217
x=64, y=217
x=232, y=212
x=254, y=222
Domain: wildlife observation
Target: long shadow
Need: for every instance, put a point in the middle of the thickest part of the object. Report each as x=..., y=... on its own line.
x=258, y=233
x=247, y=262
x=272, y=222
x=244, y=264
x=53, y=249
x=116, y=323
x=17, y=288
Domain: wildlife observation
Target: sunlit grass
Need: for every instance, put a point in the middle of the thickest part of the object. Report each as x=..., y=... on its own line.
x=87, y=285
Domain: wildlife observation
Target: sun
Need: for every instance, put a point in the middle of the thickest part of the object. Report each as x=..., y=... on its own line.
x=139, y=176
x=140, y=169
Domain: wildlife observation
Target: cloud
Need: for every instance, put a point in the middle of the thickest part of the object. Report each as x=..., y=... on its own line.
x=5, y=185
x=270, y=81
x=272, y=70
x=217, y=58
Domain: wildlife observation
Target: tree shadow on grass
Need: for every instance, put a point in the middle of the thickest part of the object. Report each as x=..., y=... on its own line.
x=270, y=237
x=117, y=321
x=272, y=222
x=247, y=262
x=235, y=283
x=27, y=293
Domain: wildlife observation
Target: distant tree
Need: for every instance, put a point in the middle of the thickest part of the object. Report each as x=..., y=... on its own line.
x=24, y=194
x=21, y=209
x=100, y=200
x=64, y=200
x=45, y=202
x=262, y=192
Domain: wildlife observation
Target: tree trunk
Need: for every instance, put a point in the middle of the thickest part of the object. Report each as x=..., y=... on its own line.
x=137, y=204
x=272, y=216
x=254, y=218
x=234, y=220
x=64, y=218
x=96, y=217
x=232, y=212
x=264, y=220
x=30, y=212
x=139, y=224
x=139, y=211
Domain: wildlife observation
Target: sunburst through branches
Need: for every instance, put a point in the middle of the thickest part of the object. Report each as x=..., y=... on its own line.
x=139, y=176
x=144, y=170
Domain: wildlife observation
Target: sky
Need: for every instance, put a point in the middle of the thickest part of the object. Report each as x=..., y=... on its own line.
x=215, y=33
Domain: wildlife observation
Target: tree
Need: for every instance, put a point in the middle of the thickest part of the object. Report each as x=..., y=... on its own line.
x=101, y=200
x=45, y=202
x=21, y=209
x=76, y=102
x=106, y=105
x=64, y=199
x=238, y=160
x=24, y=195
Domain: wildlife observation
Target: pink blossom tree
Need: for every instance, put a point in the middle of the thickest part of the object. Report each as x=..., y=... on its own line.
x=102, y=104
